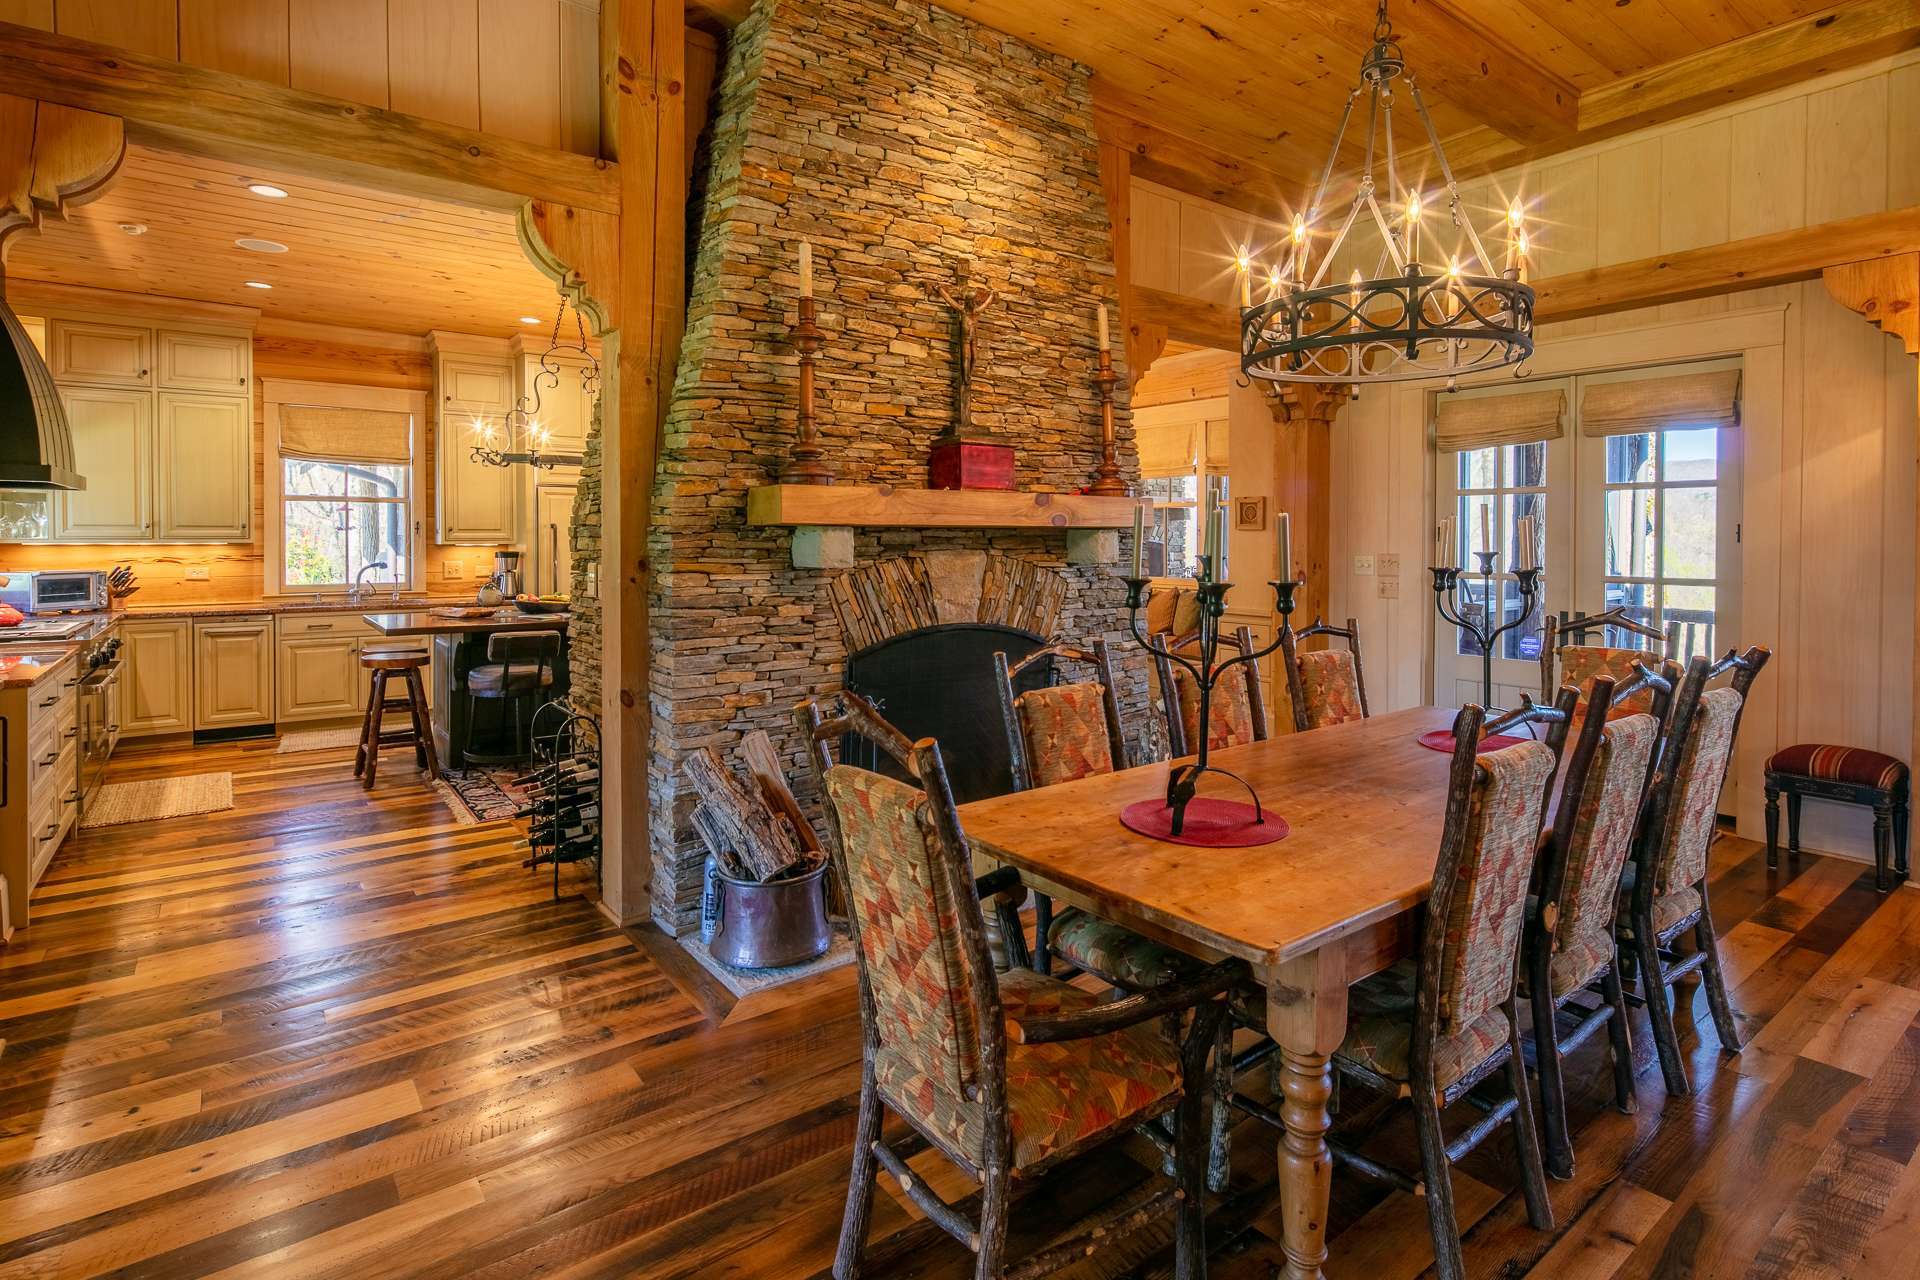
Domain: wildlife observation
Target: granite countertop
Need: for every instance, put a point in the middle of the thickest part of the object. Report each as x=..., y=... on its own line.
x=425, y=622
x=29, y=665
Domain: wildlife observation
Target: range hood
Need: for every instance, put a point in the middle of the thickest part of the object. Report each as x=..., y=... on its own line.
x=36, y=444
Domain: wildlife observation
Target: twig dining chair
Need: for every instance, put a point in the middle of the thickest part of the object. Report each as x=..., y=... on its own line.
x=1327, y=686
x=1240, y=712
x=1579, y=663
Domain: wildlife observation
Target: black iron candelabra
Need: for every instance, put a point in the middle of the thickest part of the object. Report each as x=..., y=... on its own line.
x=1446, y=598
x=1182, y=779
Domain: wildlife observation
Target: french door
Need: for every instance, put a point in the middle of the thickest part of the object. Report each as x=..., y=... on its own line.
x=1646, y=522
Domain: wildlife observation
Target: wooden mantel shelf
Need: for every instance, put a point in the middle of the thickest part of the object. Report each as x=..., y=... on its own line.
x=885, y=507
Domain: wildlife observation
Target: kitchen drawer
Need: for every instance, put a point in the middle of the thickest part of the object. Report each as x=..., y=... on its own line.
x=51, y=702
x=52, y=768
x=322, y=624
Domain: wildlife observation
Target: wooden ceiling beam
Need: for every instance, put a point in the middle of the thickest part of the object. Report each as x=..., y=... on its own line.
x=232, y=117
x=1162, y=156
x=1782, y=257
x=1464, y=63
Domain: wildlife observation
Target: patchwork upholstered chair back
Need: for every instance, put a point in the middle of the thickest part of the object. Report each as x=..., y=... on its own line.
x=931, y=1008
x=1239, y=713
x=1470, y=954
x=1060, y=732
x=1684, y=798
x=1326, y=686
x=1580, y=663
x=1579, y=888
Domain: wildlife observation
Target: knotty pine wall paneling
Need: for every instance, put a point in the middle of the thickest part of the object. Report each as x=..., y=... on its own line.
x=433, y=59
x=339, y=47
x=246, y=37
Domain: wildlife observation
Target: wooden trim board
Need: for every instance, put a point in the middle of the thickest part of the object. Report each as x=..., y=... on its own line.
x=885, y=507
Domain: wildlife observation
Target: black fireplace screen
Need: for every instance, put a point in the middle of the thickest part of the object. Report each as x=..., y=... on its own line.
x=937, y=683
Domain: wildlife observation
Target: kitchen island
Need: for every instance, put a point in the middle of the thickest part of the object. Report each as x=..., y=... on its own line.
x=459, y=645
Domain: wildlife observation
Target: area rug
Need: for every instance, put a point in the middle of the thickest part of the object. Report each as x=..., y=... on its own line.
x=316, y=740
x=744, y=982
x=477, y=795
x=156, y=798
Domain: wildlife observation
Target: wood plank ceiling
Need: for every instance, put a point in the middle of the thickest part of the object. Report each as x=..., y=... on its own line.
x=1265, y=80
x=355, y=257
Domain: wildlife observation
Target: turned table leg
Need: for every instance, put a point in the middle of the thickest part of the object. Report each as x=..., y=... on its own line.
x=1307, y=1017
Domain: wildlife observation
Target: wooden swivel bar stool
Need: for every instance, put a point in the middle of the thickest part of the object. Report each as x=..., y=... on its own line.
x=407, y=666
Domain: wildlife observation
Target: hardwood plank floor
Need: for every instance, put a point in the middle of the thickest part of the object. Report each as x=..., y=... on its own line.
x=334, y=1034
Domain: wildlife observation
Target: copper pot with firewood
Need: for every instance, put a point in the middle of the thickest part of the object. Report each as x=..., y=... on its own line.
x=751, y=924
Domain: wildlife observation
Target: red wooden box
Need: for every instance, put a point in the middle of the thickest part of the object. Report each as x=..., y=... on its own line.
x=969, y=464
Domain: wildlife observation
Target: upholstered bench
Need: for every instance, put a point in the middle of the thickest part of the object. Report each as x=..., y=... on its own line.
x=1849, y=775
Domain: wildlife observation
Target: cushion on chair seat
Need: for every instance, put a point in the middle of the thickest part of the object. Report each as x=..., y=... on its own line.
x=520, y=677
x=1059, y=1096
x=1854, y=765
x=1573, y=967
x=1669, y=909
x=1115, y=952
x=1380, y=1031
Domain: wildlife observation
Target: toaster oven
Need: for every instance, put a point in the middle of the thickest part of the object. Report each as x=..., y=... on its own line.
x=55, y=590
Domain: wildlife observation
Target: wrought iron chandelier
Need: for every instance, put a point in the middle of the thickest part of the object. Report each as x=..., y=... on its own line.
x=1410, y=319
x=521, y=440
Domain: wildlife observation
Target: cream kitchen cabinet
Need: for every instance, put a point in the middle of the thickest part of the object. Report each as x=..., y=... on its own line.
x=216, y=363
x=100, y=355
x=204, y=471
x=553, y=538
x=113, y=449
x=156, y=680
x=319, y=678
x=233, y=672
x=473, y=502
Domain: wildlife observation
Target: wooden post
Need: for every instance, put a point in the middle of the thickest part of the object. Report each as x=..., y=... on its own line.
x=1143, y=342
x=1887, y=292
x=1303, y=416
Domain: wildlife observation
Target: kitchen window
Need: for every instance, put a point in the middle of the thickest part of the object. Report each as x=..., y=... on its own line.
x=346, y=478
x=1183, y=468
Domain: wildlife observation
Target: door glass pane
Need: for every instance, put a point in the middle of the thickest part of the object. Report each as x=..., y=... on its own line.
x=1477, y=469
x=1692, y=455
x=1692, y=533
x=1517, y=506
x=1471, y=601
x=1638, y=599
x=1631, y=459
x=1524, y=640
x=1473, y=508
x=1526, y=464
x=1693, y=609
x=1630, y=533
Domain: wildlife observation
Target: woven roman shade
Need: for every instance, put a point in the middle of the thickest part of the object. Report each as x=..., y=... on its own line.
x=1166, y=449
x=1485, y=421
x=345, y=435
x=1656, y=404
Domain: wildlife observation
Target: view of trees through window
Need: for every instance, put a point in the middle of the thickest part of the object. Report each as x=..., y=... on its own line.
x=340, y=518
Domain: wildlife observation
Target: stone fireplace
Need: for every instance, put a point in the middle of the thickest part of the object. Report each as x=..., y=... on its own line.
x=907, y=145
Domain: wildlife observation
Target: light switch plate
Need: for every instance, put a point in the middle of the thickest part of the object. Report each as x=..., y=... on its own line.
x=451, y=569
x=1389, y=588
x=1363, y=565
x=1389, y=563
x=199, y=573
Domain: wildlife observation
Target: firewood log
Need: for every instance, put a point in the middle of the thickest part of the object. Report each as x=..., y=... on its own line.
x=764, y=841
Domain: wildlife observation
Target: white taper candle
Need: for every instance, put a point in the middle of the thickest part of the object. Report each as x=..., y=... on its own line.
x=1139, y=537
x=1286, y=547
x=806, y=268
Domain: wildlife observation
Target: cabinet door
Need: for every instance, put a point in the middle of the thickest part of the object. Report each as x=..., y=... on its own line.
x=475, y=384
x=566, y=408
x=319, y=678
x=473, y=502
x=205, y=473
x=553, y=539
x=113, y=449
x=215, y=362
x=232, y=673
x=156, y=677
x=100, y=355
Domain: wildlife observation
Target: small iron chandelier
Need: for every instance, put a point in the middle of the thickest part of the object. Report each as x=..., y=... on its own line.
x=522, y=440
x=1411, y=319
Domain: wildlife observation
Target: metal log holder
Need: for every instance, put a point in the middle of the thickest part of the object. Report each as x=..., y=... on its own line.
x=1182, y=779
x=1446, y=598
x=563, y=813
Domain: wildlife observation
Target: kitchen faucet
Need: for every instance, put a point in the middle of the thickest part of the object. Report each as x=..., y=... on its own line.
x=358, y=591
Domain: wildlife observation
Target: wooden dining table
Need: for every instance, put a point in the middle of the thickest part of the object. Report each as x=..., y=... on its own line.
x=1327, y=905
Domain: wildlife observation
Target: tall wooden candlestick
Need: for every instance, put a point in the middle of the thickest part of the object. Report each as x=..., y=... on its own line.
x=806, y=462
x=1107, y=479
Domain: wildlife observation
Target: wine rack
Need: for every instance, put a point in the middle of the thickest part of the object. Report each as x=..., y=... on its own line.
x=563, y=790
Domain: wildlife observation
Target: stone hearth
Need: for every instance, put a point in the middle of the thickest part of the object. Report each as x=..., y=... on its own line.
x=905, y=143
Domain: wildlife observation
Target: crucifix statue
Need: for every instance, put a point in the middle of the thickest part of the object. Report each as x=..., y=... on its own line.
x=966, y=305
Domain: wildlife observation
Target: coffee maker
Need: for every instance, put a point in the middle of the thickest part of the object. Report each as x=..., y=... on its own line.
x=506, y=574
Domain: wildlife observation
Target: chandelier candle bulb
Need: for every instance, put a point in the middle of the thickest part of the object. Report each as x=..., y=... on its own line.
x=1245, y=264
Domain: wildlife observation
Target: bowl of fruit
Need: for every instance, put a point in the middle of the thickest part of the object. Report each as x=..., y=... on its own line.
x=541, y=604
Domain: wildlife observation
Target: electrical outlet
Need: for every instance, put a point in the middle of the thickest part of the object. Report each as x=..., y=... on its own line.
x=452, y=569
x=1389, y=564
x=199, y=573
x=1389, y=588
x=1363, y=565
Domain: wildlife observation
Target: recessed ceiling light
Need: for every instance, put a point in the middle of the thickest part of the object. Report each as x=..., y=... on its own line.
x=266, y=189
x=258, y=284
x=251, y=245
x=529, y=319
x=134, y=228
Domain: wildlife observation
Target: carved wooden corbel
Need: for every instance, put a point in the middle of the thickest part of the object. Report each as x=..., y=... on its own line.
x=1884, y=290
x=52, y=159
x=1306, y=402
x=579, y=250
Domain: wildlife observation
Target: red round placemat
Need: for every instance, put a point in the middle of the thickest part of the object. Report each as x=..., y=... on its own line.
x=1442, y=740
x=1210, y=824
